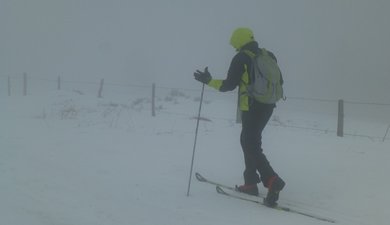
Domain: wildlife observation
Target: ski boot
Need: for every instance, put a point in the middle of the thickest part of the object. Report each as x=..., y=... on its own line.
x=275, y=185
x=250, y=189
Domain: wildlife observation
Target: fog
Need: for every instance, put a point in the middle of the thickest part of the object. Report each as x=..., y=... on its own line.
x=326, y=49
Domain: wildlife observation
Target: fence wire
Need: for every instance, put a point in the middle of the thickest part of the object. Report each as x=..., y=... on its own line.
x=13, y=85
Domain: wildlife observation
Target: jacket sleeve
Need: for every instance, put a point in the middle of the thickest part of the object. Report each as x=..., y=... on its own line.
x=233, y=78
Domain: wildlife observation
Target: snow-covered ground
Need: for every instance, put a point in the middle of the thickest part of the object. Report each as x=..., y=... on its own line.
x=68, y=158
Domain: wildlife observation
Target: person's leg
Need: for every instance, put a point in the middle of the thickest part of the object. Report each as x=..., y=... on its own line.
x=248, y=144
x=262, y=114
x=270, y=179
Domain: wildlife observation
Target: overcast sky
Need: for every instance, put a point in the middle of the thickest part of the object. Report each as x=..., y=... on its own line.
x=326, y=48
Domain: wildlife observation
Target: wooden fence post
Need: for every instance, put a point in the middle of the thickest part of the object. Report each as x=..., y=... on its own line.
x=101, y=88
x=9, y=86
x=153, y=99
x=59, y=83
x=340, y=120
x=24, y=84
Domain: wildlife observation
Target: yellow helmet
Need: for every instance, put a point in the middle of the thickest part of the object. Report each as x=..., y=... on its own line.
x=240, y=37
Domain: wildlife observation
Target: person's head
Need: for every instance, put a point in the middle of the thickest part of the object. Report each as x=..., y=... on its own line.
x=240, y=37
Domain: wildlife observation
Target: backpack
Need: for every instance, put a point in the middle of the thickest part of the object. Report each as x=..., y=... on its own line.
x=266, y=78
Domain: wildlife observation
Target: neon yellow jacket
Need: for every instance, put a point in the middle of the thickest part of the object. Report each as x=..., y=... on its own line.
x=238, y=75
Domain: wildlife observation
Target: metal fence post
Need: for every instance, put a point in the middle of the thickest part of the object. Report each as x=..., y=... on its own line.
x=9, y=86
x=387, y=131
x=340, y=120
x=153, y=100
x=24, y=84
x=101, y=88
x=59, y=83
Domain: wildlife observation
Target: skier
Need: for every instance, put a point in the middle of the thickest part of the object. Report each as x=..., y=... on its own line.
x=254, y=116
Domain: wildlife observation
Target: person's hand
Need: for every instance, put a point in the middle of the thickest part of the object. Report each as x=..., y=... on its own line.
x=203, y=77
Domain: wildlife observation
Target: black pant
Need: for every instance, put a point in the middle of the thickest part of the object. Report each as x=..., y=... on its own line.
x=253, y=123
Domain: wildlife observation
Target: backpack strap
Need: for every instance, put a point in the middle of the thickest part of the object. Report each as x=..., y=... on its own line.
x=253, y=57
x=249, y=53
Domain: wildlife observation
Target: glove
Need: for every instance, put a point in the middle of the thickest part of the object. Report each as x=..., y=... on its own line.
x=203, y=77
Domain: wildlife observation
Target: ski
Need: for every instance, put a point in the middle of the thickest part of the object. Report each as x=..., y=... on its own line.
x=257, y=200
x=221, y=189
x=201, y=178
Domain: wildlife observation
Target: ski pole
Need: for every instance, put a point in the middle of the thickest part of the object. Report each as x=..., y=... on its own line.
x=196, y=137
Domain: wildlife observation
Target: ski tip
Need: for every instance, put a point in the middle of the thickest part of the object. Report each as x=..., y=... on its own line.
x=220, y=190
x=200, y=177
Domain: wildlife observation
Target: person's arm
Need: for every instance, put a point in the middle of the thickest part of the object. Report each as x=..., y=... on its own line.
x=233, y=78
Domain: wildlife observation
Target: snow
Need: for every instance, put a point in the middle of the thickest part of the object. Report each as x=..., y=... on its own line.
x=71, y=158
